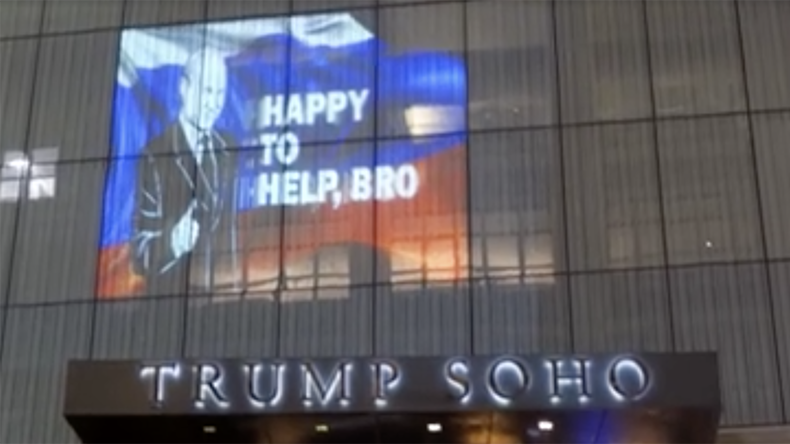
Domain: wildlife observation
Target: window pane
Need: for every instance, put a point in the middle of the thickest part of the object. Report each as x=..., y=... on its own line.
x=603, y=60
x=21, y=17
x=422, y=320
x=138, y=329
x=634, y=305
x=148, y=231
x=516, y=205
x=79, y=15
x=221, y=9
x=57, y=235
x=614, y=216
x=779, y=274
x=328, y=234
x=511, y=64
x=38, y=341
x=331, y=78
x=771, y=133
x=232, y=326
x=766, y=37
x=695, y=57
x=725, y=309
x=709, y=193
x=421, y=217
x=326, y=322
x=531, y=317
x=329, y=5
x=73, y=95
x=17, y=75
x=143, y=12
x=148, y=96
x=422, y=85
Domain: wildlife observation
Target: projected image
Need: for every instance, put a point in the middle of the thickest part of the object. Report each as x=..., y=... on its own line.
x=244, y=150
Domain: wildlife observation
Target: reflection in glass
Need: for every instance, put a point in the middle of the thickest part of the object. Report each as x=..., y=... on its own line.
x=234, y=174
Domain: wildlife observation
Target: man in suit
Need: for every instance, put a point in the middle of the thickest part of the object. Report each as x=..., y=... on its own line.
x=185, y=195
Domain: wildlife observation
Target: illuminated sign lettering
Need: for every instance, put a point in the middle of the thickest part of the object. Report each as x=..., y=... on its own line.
x=459, y=382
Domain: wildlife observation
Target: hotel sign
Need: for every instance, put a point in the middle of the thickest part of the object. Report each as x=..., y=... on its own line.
x=389, y=385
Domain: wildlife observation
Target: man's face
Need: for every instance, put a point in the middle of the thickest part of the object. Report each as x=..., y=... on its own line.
x=203, y=96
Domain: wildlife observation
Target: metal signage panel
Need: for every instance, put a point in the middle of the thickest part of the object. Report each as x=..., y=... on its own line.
x=413, y=384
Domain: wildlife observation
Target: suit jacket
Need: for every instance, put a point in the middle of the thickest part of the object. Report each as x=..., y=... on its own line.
x=169, y=181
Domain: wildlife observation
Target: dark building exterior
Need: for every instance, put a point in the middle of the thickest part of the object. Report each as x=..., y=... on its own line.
x=356, y=178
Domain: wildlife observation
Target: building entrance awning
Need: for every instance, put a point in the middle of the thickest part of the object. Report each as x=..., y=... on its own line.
x=509, y=398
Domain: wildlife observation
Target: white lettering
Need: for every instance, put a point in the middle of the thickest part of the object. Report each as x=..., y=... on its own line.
x=308, y=108
x=255, y=375
x=456, y=373
x=316, y=104
x=386, y=377
x=291, y=187
x=357, y=99
x=361, y=187
x=267, y=141
x=328, y=181
x=287, y=148
x=500, y=380
x=628, y=379
x=385, y=178
x=314, y=386
x=295, y=116
x=560, y=378
x=271, y=112
x=268, y=189
x=209, y=382
x=336, y=104
x=407, y=182
x=159, y=375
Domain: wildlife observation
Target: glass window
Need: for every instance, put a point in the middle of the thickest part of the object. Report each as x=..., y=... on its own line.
x=422, y=80
x=603, y=60
x=146, y=12
x=397, y=2
x=710, y=201
x=725, y=309
x=331, y=93
x=148, y=96
x=328, y=237
x=38, y=341
x=423, y=320
x=326, y=322
x=771, y=133
x=150, y=226
x=421, y=209
x=614, y=212
x=79, y=15
x=241, y=96
x=136, y=329
x=531, y=317
x=634, y=305
x=232, y=326
x=329, y=5
x=56, y=235
x=21, y=17
x=766, y=37
x=516, y=205
x=780, y=308
x=511, y=64
x=73, y=95
x=221, y=9
x=17, y=75
x=695, y=57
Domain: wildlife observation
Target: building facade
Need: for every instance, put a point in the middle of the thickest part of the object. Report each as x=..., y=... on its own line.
x=401, y=177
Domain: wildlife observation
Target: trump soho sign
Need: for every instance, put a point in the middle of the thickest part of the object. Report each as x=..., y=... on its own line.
x=511, y=382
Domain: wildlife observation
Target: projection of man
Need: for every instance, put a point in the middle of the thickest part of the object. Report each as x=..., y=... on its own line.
x=185, y=186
